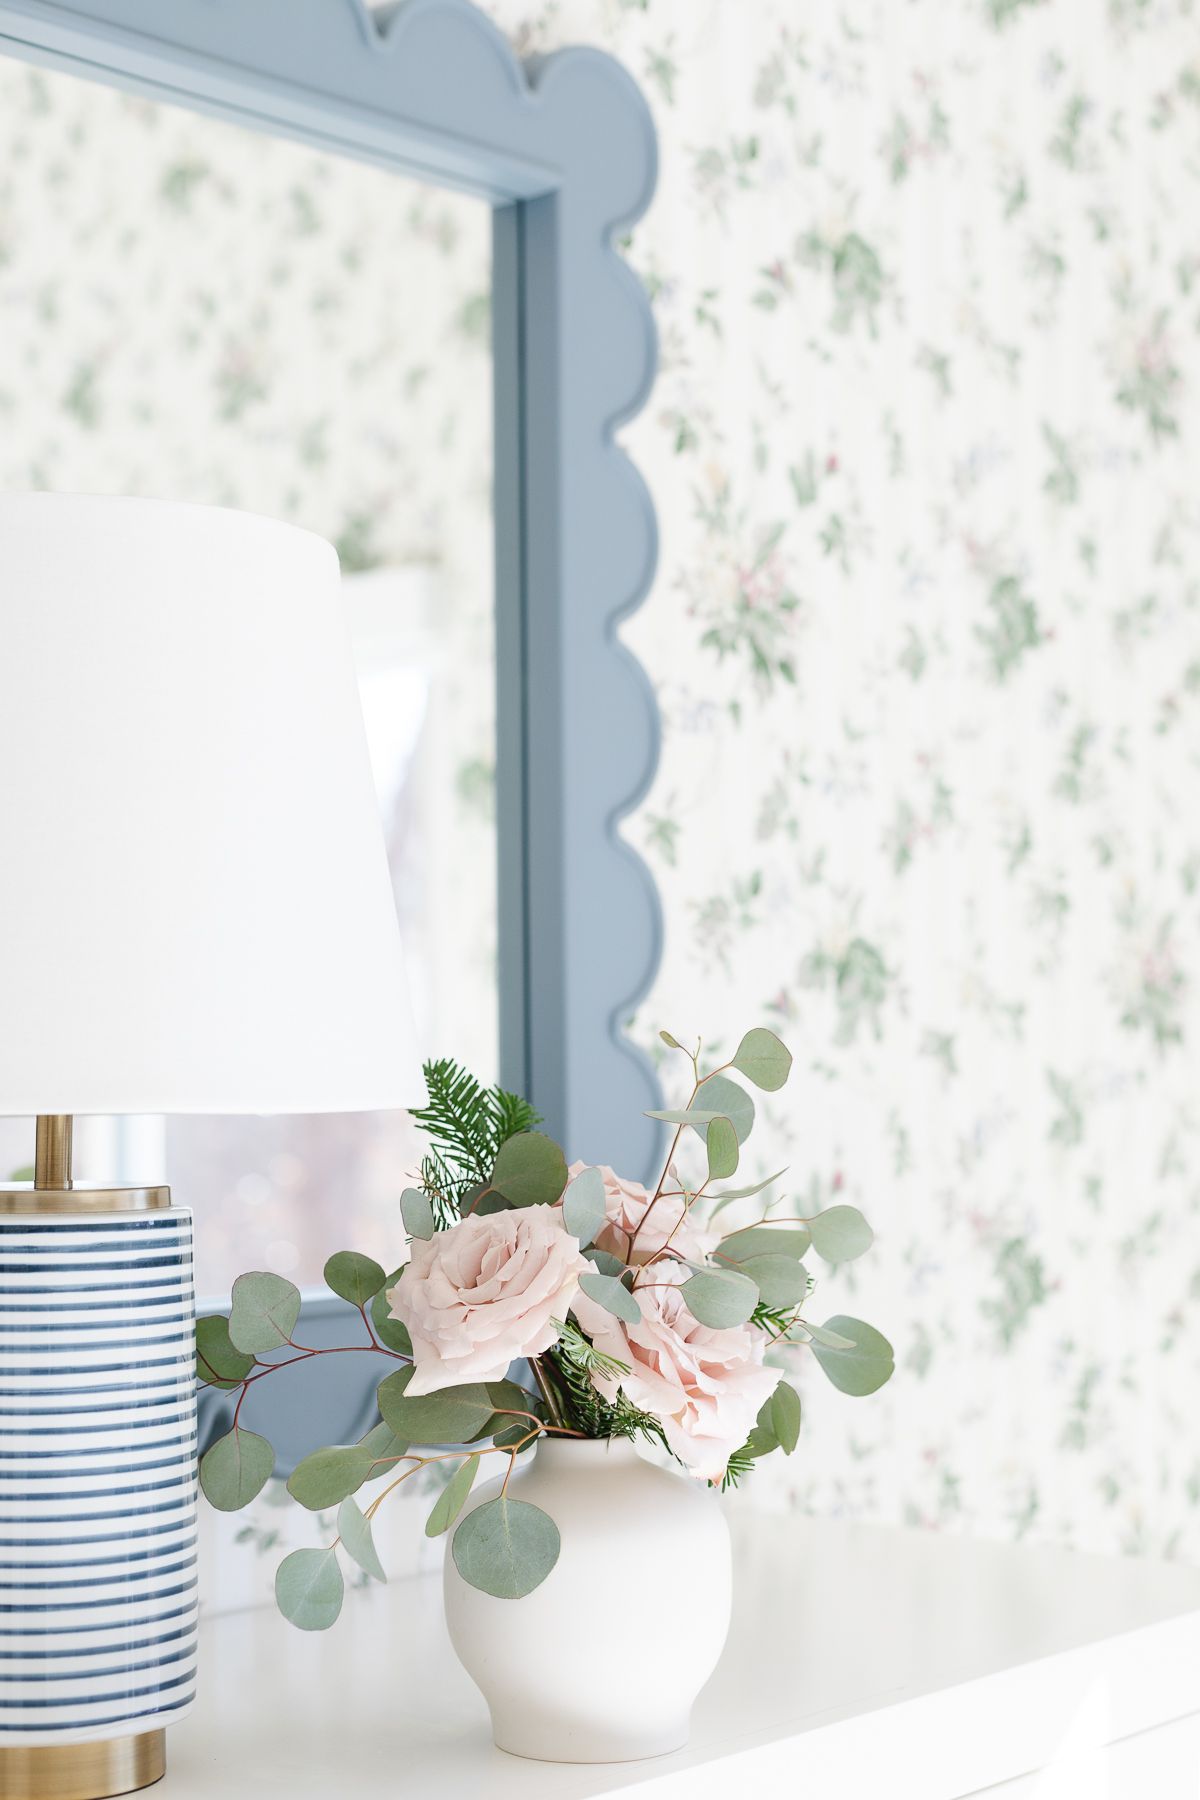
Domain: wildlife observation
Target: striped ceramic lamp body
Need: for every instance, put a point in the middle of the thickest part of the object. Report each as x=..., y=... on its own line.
x=98, y=1587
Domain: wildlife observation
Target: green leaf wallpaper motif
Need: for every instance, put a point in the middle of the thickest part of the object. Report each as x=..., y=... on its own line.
x=926, y=635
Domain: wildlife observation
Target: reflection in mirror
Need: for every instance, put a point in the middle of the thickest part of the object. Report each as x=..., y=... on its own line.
x=192, y=311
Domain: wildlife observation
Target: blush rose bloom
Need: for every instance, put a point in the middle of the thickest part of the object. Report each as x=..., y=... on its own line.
x=704, y=1386
x=485, y=1292
x=626, y=1204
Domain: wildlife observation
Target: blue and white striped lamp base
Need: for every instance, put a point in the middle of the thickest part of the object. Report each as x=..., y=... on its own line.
x=97, y=1492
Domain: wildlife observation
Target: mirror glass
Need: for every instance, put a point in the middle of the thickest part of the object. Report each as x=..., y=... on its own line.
x=193, y=311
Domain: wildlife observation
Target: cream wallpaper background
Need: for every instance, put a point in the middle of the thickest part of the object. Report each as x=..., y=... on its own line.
x=925, y=636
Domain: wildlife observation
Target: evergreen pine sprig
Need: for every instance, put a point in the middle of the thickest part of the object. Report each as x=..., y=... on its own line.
x=573, y=1362
x=466, y=1123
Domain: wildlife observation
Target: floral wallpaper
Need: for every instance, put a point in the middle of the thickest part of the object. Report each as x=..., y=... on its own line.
x=926, y=640
x=926, y=636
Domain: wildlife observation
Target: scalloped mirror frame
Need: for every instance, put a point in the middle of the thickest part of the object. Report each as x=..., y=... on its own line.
x=564, y=149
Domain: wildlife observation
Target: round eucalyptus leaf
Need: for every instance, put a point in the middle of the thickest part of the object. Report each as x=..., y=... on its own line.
x=722, y=1150
x=720, y=1297
x=729, y=1101
x=353, y=1277
x=385, y=1448
x=865, y=1366
x=506, y=1548
x=530, y=1170
x=763, y=1059
x=487, y=1203
x=416, y=1209
x=784, y=1415
x=358, y=1541
x=309, y=1589
x=762, y=1440
x=840, y=1234
x=329, y=1474
x=512, y=1435
x=507, y=1396
x=453, y=1497
x=821, y=1334
x=611, y=1293
x=452, y=1415
x=605, y=1261
x=780, y=1280
x=388, y=1397
x=236, y=1469
x=585, y=1205
x=764, y=1240
x=218, y=1363
x=392, y=1333
x=264, y=1312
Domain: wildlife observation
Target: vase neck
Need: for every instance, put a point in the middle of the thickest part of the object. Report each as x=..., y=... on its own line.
x=567, y=1452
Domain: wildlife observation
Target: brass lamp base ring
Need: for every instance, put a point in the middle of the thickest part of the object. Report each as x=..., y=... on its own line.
x=82, y=1198
x=94, y=1771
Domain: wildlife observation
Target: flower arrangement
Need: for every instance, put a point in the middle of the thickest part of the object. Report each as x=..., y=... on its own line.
x=545, y=1301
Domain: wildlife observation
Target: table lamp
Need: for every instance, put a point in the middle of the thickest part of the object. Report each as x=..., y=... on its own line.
x=196, y=917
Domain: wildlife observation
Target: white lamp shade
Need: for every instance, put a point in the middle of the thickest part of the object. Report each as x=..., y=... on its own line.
x=197, y=915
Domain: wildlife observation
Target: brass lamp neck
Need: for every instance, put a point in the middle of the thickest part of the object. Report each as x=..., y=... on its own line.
x=52, y=1163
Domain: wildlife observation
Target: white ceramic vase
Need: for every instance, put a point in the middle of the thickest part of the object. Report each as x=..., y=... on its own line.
x=603, y=1661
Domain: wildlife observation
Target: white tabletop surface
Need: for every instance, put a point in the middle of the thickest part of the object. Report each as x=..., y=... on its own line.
x=862, y=1661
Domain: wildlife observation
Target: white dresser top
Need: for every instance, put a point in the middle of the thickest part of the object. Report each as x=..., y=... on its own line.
x=862, y=1661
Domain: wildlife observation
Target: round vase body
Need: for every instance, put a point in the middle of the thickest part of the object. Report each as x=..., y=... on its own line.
x=603, y=1661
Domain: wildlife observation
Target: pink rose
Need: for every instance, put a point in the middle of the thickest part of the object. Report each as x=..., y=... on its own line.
x=485, y=1292
x=627, y=1203
x=704, y=1386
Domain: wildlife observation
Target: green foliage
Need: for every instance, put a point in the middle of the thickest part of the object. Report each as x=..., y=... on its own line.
x=453, y=1497
x=729, y=1101
x=218, y=1363
x=840, y=1234
x=416, y=1209
x=744, y=1193
x=584, y=1205
x=780, y=1280
x=776, y=1321
x=720, y=1298
x=354, y=1529
x=392, y=1333
x=506, y=1547
x=452, y=1415
x=722, y=1150
x=236, y=1469
x=309, y=1589
x=353, y=1277
x=738, y=1467
x=864, y=1366
x=570, y=1368
x=466, y=1124
x=264, y=1312
x=685, y=1115
x=385, y=1447
x=530, y=1170
x=610, y=1292
x=763, y=1059
x=784, y=1416
x=764, y=1240
x=328, y=1475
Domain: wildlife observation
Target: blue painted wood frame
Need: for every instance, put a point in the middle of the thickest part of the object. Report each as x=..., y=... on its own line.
x=564, y=149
